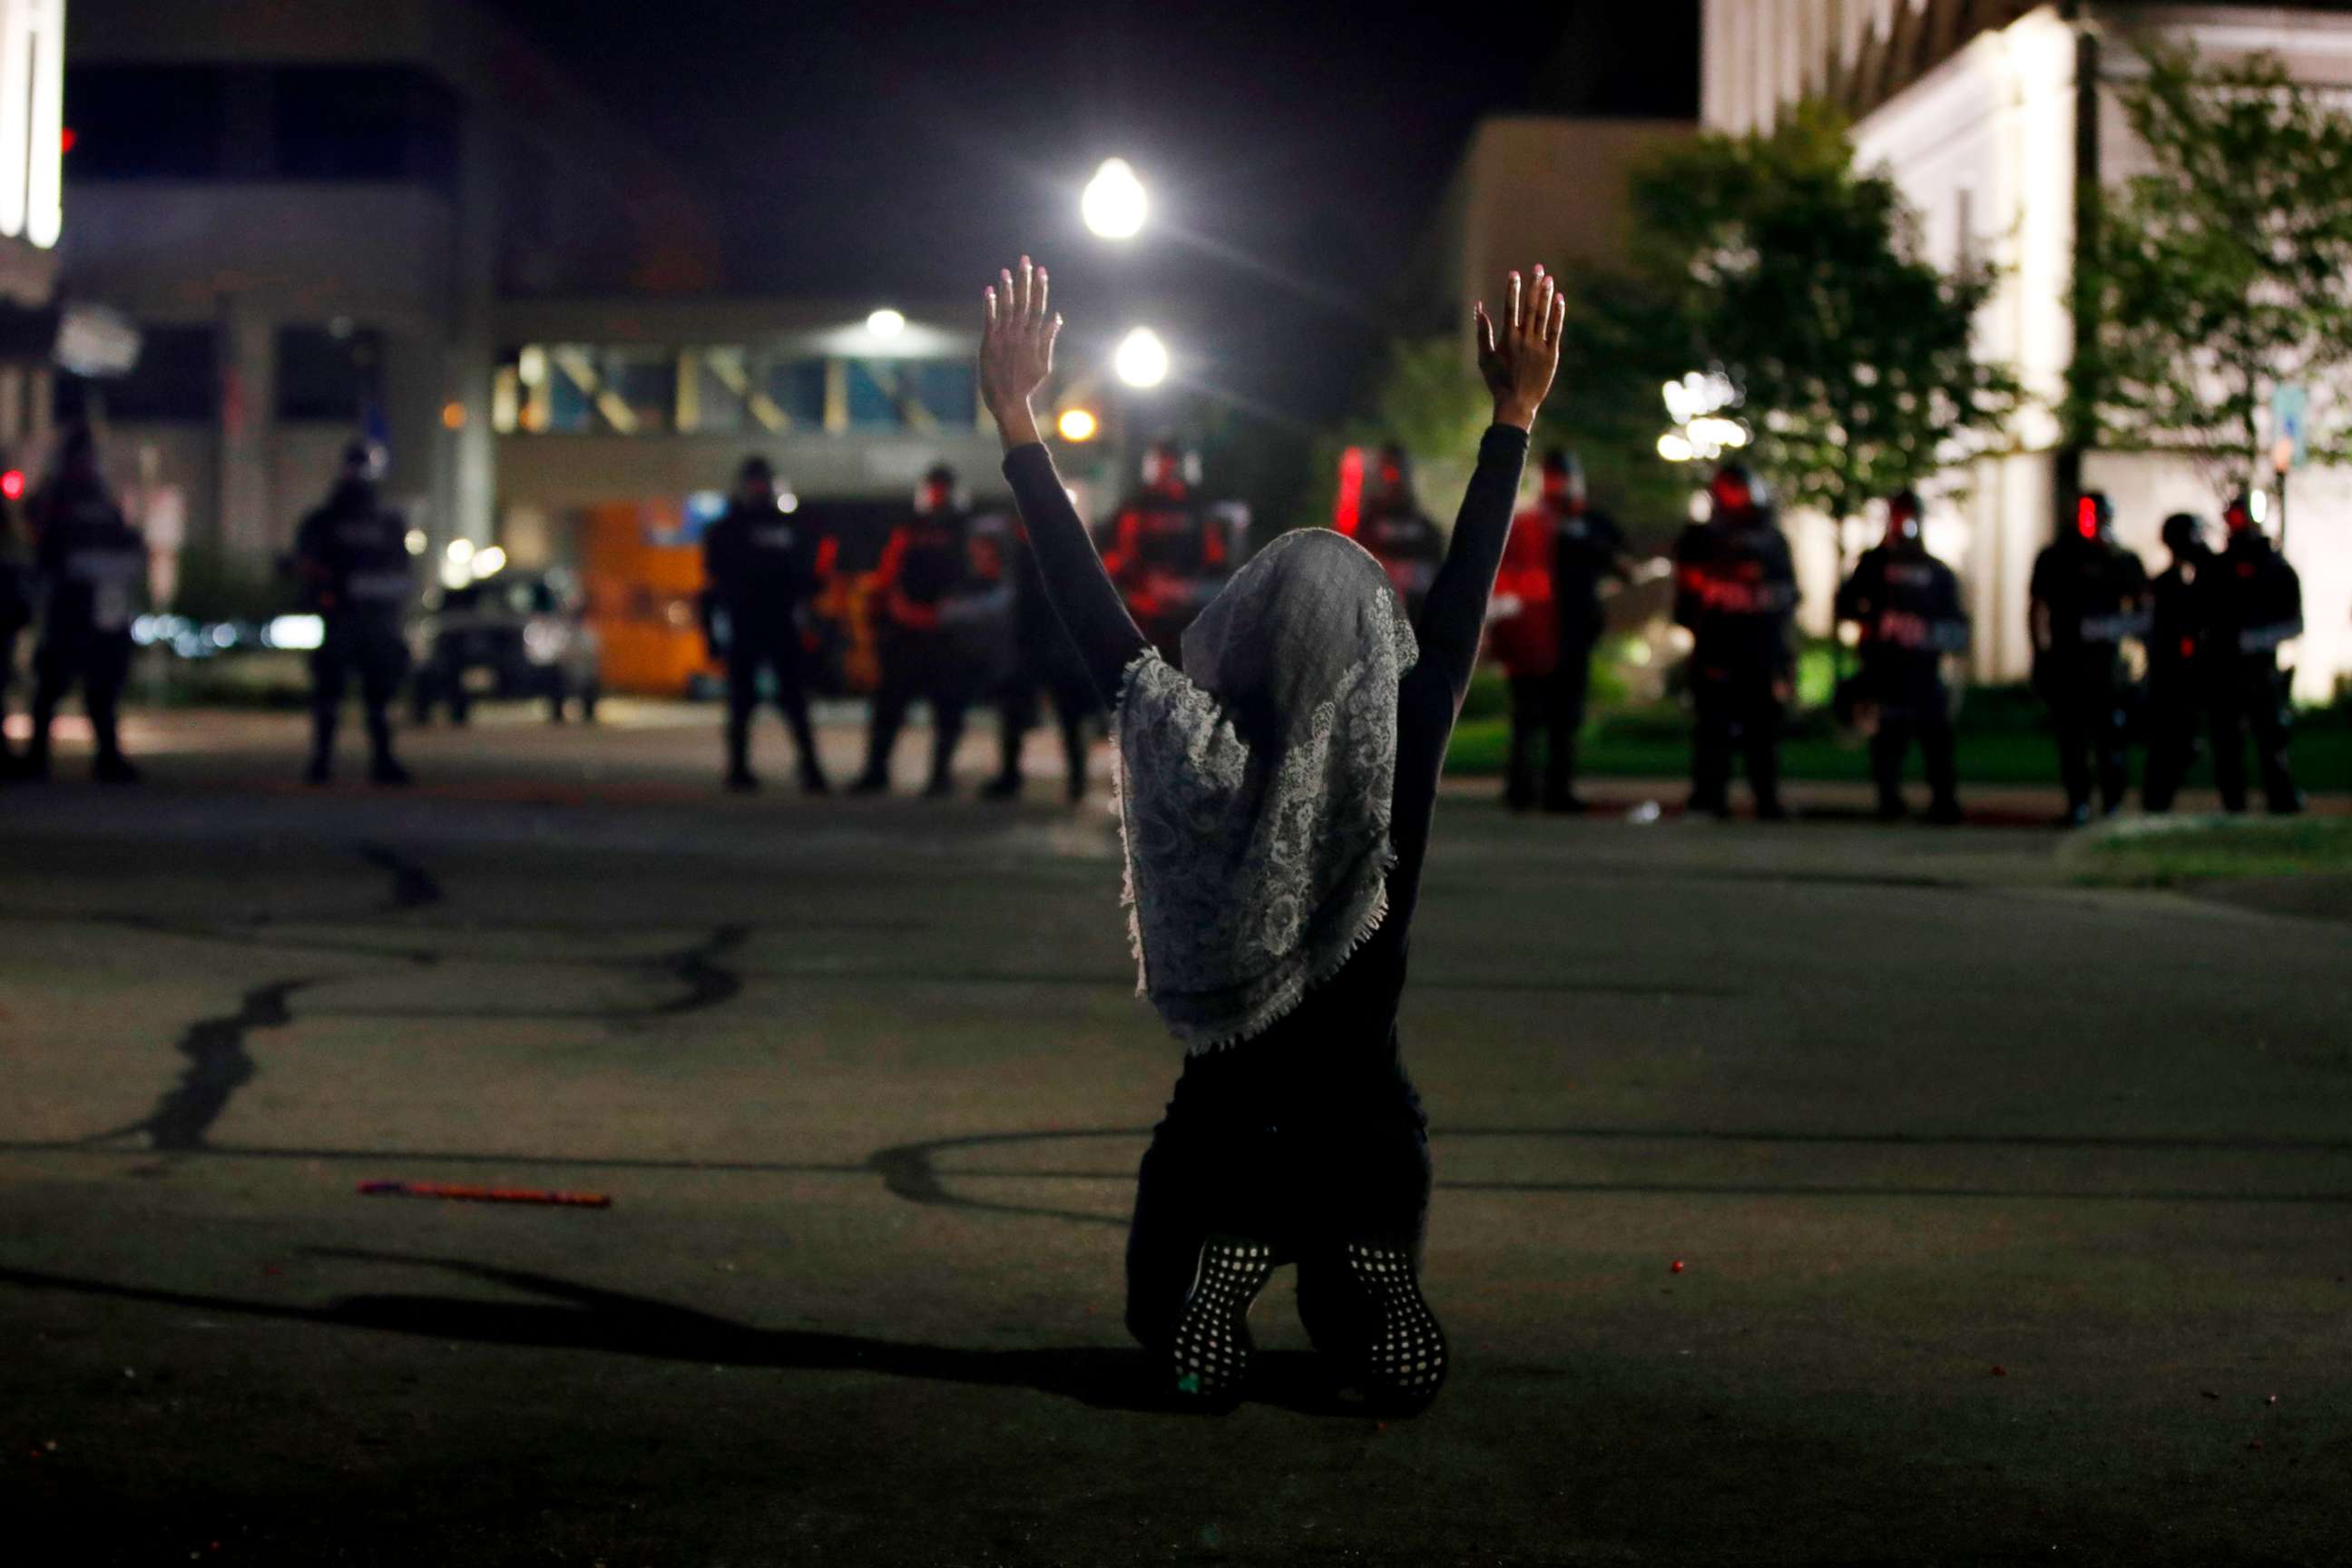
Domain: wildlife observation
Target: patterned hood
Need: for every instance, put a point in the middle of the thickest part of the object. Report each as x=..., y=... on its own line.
x=1256, y=788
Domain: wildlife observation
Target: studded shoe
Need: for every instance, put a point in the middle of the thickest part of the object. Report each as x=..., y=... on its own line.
x=1210, y=1353
x=1401, y=1363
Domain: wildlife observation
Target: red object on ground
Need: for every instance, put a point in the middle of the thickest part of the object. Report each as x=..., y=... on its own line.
x=1677, y=1265
x=484, y=1194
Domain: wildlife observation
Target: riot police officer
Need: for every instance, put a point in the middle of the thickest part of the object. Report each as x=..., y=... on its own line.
x=2256, y=604
x=1399, y=535
x=1905, y=605
x=1736, y=590
x=88, y=563
x=2087, y=596
x=2179, y=660
x=351, y=558
x=761, y=566
x=1548, y=596
x=1165, y=553
x=925, y=565
x=16, y=613
x=1045, y=662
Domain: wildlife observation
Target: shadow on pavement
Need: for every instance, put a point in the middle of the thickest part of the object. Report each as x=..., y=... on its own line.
x=592, y=1318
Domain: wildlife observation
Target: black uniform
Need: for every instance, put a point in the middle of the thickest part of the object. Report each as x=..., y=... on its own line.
x=1907, y=605
x=1587, y=549
x=1408, y=546
x=1736, y=590
x=90, y=563
x=2256, y=604
x=1044, y=662
x=1167, y=556
x=2094, y=595
x=2180, y=671
x=351, y=555
x=16, y=613
x=761, y=566
x=925, y=565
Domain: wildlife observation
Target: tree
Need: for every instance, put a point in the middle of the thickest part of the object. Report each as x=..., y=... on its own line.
x=2223, y=271
x=1801, y=278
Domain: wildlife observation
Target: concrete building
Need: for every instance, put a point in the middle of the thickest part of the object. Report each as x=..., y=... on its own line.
x=394, y=215
x=648, y=402
x=1554, y=188
x=313, y=211
x=1988, y=113
x=1580, y=167
x=32, y=77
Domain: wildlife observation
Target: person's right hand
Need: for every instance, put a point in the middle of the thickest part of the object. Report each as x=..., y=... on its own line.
x=1016, y=352
x=1518, y=363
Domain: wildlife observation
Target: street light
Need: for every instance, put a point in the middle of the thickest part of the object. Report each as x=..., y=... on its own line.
x=886, y=322
x=1077, y=425
x=1141, y=360
x=1113, y=203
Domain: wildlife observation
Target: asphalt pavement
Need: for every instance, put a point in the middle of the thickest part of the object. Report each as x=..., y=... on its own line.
x=1823, y=1194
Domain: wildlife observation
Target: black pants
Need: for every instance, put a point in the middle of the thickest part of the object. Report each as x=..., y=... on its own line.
x=1072, y=702
x=1547, y=711
x=2087, y=708
x=775, y=647
x=9, y=627
x=1737, y=710
x=99, y=662
x=1913, y=706
x=2179, y=705
x=1302, y=1156
x=916, y=667
x=2248, y=698
x=373, y=648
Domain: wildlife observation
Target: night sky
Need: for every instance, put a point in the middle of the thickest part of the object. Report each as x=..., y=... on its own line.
x=1295, y=152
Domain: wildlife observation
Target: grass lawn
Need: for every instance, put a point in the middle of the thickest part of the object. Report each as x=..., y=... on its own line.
x=2168, y=852
x=1643, y=745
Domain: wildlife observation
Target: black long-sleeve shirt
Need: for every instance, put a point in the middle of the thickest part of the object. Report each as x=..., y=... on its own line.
x=1340, y=1019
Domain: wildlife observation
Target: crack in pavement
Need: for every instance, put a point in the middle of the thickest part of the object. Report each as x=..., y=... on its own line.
x=218, y=1065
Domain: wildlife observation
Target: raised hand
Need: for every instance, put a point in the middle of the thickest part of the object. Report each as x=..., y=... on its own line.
x=1519, y=362
x=1016, y=351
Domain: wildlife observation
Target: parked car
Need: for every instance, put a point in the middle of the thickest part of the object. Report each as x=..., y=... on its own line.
x=515, y=633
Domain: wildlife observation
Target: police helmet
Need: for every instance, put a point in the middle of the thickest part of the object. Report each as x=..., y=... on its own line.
x=2183, y=533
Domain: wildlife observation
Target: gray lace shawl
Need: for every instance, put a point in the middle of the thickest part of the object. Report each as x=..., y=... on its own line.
x=1255, y=788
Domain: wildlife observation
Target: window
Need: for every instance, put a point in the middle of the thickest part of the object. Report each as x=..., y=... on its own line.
x=911, y=394
x=147, y=122
x=286, y=122
x=362, y=123
x=949, y=389
x=177, y=378
x=797, y=387
x=326, y=375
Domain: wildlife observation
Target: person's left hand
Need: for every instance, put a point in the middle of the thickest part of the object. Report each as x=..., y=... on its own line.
x=1016, y=351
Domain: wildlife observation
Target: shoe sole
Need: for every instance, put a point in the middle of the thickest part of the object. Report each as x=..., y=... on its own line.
x=1211, y=1353
x=1404, y=1364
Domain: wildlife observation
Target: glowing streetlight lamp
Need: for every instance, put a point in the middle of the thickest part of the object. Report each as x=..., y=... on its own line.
x=1113, y=204
x=1141, y=359
x=1077, y=425
x=886, y=322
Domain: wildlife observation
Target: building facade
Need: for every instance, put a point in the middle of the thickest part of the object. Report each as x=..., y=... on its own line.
x=32, y=211
x=1988, y=113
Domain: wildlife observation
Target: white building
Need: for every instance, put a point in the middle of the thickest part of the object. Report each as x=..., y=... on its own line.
x=1987, y=113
